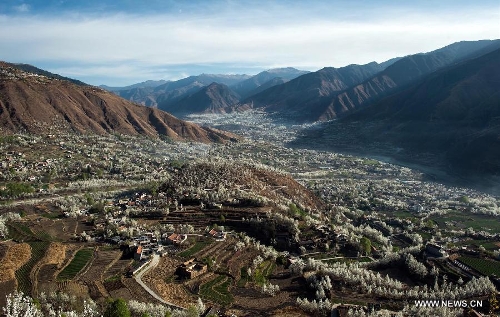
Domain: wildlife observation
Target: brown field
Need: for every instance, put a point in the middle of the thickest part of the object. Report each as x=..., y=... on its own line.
x=93, y=276
x=252, y=300
x=240, y=259
x=289, y=312
x=137, y=292
x=46, y=277
x=5, y=289
x=160, y=280
x=16, y=255
x=70, y=287
x=45, y=272
x=119, y=267
x=56, y=254
x=63, y=229
x=117, y=289
x=3, y=249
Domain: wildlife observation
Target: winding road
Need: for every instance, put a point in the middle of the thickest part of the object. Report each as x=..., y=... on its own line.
x=138, y=277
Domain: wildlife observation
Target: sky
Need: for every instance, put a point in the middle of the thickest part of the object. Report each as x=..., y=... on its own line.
x=118, y=43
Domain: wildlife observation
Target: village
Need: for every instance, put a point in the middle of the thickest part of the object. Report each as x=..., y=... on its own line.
x=186, y=211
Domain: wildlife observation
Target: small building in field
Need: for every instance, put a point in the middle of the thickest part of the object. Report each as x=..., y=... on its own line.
x=191, y=269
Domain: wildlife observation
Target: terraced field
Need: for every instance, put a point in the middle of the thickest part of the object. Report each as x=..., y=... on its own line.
x=194, y=285
x=217, y=290
x=39, y=243
x=240, y=259
x=117, y=268
x=225, y=255
x=20, y=232
x=210, y=249
x=196, y=248
x=93, y=276
x=23, y=274
x=80, y=260
x=486, y=267
x=263, y=271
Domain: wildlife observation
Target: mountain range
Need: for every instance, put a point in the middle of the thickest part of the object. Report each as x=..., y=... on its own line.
x=36, y=103
x=331, y=93
x=169, y=96
x=213, y=98
x=448, y=119
x=323, y=95
x=268, y=78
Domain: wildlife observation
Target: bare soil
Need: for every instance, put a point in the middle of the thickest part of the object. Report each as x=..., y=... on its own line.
x=92, y=277
x=172, y=292
x=16, y=255
x=137, y=292
x=118, y=268
x=56, y=254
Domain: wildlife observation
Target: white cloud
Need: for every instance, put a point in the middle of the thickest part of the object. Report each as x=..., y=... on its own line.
x=22, y=8
x=128, y=44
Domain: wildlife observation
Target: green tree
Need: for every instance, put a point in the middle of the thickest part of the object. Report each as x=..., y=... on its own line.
x=117, y=308
x=16, y=189
x=464, y=199
x=366, y=245
x=153, y=188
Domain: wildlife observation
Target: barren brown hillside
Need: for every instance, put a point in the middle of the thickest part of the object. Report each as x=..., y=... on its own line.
x=36, y=104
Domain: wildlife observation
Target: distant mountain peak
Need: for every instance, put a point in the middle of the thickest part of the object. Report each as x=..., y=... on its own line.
x=214, y=97
x=247, y=87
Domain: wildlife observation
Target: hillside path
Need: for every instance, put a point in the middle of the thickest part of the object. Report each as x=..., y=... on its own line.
x=153, y=263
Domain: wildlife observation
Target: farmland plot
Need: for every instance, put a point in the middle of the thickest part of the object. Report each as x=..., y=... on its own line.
x=79, y=261
x=93, y=276
x=217, y=290
x=483, y=266
x=13, y=256
x=23, y=274
x=117, y=268
x=161, y=280
x=53, y=260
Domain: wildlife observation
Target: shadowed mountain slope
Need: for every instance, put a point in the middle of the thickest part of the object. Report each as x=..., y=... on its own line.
x=450, y=118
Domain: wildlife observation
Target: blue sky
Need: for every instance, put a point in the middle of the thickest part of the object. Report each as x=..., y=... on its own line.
x=123, y=42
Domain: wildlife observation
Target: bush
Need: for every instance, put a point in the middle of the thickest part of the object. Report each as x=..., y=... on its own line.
x=13, y=190
x=117, y=308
